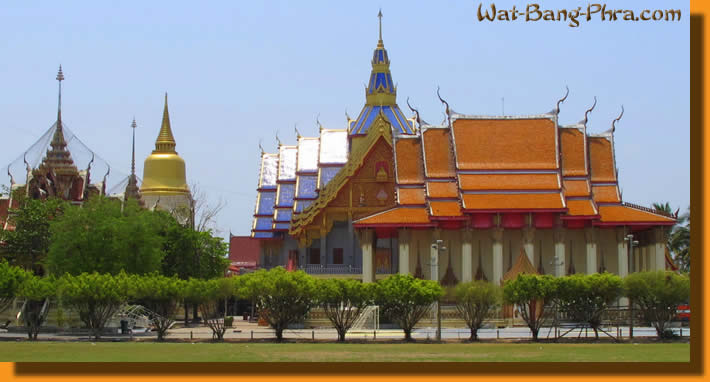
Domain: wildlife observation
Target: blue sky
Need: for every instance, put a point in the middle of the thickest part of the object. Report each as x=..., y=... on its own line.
x=238, y=72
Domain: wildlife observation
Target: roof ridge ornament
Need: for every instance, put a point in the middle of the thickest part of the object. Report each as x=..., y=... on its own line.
x=557, y=108
x=448, y=109
x=261, y=147
x=613, y=123
x=295, y=128
x=277, y=138
x=379, y=15
x=415, y=111
x=589, y=111
x=320, y=126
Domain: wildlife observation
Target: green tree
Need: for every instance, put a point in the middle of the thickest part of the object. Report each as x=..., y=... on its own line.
x=249, y=288
x=161, y=295
x=105, y=237
x=189, y=253
x=530, y=294
x=405, y=299
x=284, y=298
x=96, y=297
x=474, y=300
x=343, y=300
x=209, y=296
x=678, y=242
x=658, y=295
x=28, y=244
x=36, y=291
x=11, y=277
x=585, y=298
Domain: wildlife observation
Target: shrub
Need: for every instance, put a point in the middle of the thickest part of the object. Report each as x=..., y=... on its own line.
x=529, y=293
x=11, y=277
x=209, y=294
x=96, y=297
x=585, y=298
x=37, y=292
x=343, y=300
x=658, y=295
x=162, y=296
x=285, y=298
x=474, y=300
x=405, y=299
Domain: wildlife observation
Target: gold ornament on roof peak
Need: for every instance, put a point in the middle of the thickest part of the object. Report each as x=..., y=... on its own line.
x=165, y=141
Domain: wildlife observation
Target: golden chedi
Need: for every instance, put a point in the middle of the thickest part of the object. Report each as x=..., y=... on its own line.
x=164, y=183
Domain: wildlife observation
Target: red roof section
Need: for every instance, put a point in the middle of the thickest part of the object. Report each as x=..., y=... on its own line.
x=438, y=153
x=489, y=144
x=244, y=249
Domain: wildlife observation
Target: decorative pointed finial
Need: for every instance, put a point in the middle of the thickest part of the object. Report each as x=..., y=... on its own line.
x=12, y=180
x=60, y=78
x=165, y=141
x=415, y=111
x=448, y=110
x=347, y=116
x=277, y=138
x=261, y=147
x=320, y=126
x=295, y=128
x=133, y=149
x=589, y=111
x=613, y=123
x=557, y=108
x=379, y=15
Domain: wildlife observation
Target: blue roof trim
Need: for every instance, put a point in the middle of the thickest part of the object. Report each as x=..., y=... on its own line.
x=263, y=224
x=286, y=194
x=283, y=215
x=266, y=203
x=263, y=235
x=307, y=186
x=327, y=174
x=282, y=226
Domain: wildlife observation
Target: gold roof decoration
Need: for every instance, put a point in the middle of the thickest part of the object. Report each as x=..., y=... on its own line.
x=522, y=265
x=165, y=141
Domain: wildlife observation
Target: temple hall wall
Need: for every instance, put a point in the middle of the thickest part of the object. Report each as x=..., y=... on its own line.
x=606, y=245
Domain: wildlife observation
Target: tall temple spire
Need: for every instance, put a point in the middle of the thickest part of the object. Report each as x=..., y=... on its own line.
x=165, y=141
x=380, y=90
x=58, y=157
x=132, y=190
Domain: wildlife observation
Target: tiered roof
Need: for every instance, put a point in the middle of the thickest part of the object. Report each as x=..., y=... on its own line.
x=480, y=165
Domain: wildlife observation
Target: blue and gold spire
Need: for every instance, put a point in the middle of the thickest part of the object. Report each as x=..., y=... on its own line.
x=381, y=94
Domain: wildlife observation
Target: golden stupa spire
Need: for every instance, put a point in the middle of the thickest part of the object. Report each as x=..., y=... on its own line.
x=165, y=141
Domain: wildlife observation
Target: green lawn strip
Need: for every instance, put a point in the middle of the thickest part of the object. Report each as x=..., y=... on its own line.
x=304, y=352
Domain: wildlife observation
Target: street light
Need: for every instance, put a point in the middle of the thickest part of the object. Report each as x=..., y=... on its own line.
x=439, y=246
x=632, y=243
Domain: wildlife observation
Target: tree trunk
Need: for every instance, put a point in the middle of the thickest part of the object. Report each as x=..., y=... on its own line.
x=279, y=334
x=187, y=324
x=474, y=334
x=408, y=335
x=194, y=314
x=534, y=334
x=341, y=335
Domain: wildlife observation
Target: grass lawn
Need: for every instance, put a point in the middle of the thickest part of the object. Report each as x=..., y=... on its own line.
x=357, y=352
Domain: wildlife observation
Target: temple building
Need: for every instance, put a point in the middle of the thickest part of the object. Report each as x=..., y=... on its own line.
x=164, y=182
x=477, y=197
x=56, y=174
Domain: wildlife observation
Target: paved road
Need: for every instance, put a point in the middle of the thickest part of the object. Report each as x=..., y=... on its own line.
x=244, y=330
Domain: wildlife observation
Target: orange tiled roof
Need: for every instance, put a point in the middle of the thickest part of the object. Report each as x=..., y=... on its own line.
x=620, y=213
x=411, y=196
x=576, y=187
x=474, y=182
x=573, y=152
x=581, y=208
x=409, y=161
x=605, y=194
x=602, y=160
x=399, y=215
x=483, y=144
x=442, y=189
x=438, y=153
x=512, y=201
x=448, y=208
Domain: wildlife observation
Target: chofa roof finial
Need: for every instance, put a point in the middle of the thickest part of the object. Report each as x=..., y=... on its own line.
x=277, y=138
x=295, y=128
x=261, y=147
x=613, y=123
x=415, y=111
x=589, y=111
x=557, y=108
x=320, y=126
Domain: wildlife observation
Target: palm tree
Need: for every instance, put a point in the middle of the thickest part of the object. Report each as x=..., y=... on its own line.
x=678, y=243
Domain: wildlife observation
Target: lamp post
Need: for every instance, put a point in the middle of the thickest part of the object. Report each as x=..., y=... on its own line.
x=632, y=242
x=439, y=246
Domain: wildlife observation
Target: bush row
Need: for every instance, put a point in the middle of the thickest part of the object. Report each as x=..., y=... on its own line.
x=284, y=298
